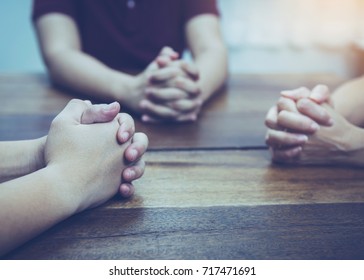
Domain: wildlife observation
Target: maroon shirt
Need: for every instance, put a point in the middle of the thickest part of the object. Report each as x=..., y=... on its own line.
x=128, y=34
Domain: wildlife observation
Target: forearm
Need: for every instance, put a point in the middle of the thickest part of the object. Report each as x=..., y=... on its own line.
x=30, y=205
x=339, y=144
x=355, y=152
x=205, y=42
x=83, y=73
x=69, y=66
x=348, y=100
x=19, y=158
x=212, y=65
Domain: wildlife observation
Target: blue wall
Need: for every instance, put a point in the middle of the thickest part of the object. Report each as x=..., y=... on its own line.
x=18, y=47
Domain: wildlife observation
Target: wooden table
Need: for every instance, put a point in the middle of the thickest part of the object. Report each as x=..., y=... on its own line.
x=209, y=191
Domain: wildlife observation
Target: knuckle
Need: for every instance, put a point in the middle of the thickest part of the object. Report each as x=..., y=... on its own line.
x=305, y=124
x=269, y=122
x=180, y=82
x=58, y=122
x=126, y=118
x=323, y=87
x=282, y=103
x=303, y=104
x=281, y=117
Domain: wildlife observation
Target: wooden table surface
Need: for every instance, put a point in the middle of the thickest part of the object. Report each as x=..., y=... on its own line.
x=209, y=191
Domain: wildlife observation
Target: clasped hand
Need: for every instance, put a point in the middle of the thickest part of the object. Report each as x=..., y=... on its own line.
x=304, y=128
x=95, y=151
x=172, y=91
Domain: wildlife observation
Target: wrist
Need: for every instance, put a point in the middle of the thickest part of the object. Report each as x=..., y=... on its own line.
x=21, y=158
x=129, y=90
x=63, y=188
x=206, y=90
x=355, y=147
x=120, y=86
x=136, y=92
x=37, y=161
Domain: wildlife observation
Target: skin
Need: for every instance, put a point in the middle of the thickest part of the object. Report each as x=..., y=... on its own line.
x=169, y=89
x=317, y=128
x=76, y=167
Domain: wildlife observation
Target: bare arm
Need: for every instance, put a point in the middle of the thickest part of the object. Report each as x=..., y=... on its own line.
x=30, y=205
x=348, y=101
x=69, y=66
x=209, y=52
x=302, y=131
x=19, y=158
x=182, y=87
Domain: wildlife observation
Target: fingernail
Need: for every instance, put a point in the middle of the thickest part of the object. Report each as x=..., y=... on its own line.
x=133, y=154
x=314, y=126
x=126, y=190
x=330, y=122
x=302, y=138
x=109, y=107
x=296, y=151
x=125, y=136
x=131, y=174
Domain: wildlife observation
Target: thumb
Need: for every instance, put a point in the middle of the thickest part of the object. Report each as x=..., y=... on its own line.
x=169, y=52
x=73, y=111
x=320, y=94
x=296, y=94
x=166, y=56
x=100, y=113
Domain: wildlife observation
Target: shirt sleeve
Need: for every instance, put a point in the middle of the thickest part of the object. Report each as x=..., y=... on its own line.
x=198, y=7
x=43, y=7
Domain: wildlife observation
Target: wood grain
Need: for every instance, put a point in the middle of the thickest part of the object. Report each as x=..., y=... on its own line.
x=234, y=118
x=322, y=231
x=209, y=191
x=234, y=178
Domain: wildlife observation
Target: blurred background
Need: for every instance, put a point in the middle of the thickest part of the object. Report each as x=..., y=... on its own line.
x=18, y=46
x=263, y=36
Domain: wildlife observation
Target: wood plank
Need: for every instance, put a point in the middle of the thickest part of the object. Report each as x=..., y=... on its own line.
x=204, y=134
x=318, y=231
x=23, y=127
x=234, y=118
x=213, y=199
x=30, y=95
x=218, y=178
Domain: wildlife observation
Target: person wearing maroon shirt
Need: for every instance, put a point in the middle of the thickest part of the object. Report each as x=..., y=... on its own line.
x=129, y=51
